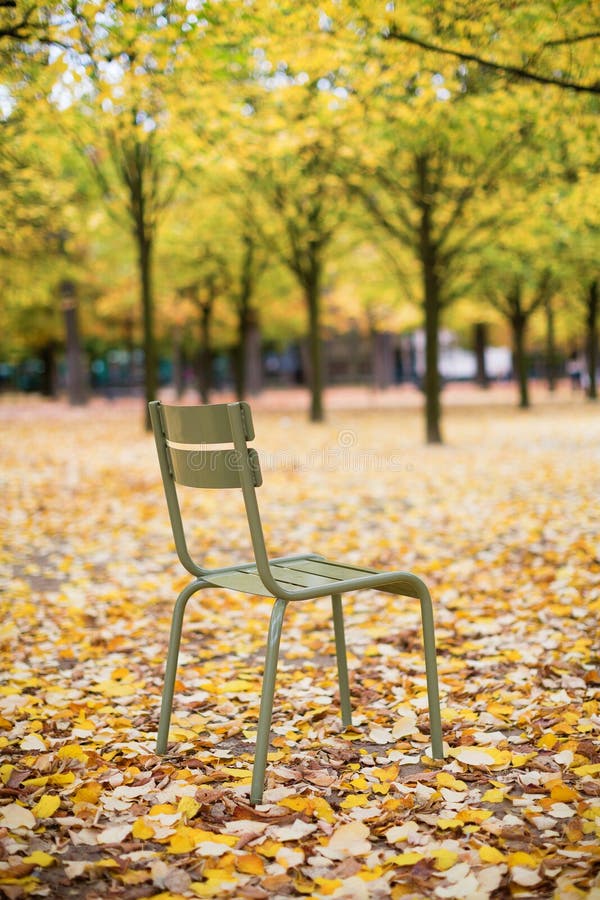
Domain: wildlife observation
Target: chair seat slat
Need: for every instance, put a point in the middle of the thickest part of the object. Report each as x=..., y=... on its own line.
x=331, y=570
x=298, y=577
x=247, y=582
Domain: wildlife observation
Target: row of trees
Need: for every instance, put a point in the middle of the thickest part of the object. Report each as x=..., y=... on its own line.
x=391, y=158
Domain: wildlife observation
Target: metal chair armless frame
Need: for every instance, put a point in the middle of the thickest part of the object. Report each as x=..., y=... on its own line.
x=290, y=578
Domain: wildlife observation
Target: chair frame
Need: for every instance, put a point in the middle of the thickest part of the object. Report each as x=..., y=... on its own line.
x=232, y=423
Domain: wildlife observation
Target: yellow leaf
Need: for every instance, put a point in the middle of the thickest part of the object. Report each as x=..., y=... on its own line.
x=519, y=759
x=445, y=779
x=563, y=792
x=591, y=769
x=73, y=751
x=476, y=816
x=328, y=885
x=46, y=806
x=445, y=824
x=297, y=804
x=444, y=859
x=405, y=859
x=88, y=793
x=250, y=864
x=547, y=741
x=236, y=686
x=269, y=848
x=382, y=789
x=60, y=778
x=160, y=809
x=494, y=795
x=188, y=807
x=323, y=810
x=360, y=783
x=388, y=773
x=491, y=855
x=142, y=830
x=183, y=841
x=120, y=673
x=353, y=800
x=40, y=858
x=6, y=771
x=215, y=886
x=187, y=839
x=520, y=858
x=236, y=773
x=115, y=689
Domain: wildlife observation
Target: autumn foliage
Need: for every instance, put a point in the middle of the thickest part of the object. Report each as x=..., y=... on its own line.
x=502, y=524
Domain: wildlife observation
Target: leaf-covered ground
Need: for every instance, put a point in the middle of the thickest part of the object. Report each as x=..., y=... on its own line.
x=502, y=523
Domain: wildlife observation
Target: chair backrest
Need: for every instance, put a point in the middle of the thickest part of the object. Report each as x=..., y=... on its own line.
x=185, y=438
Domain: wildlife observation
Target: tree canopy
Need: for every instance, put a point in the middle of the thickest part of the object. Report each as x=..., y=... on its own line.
x=420, y=136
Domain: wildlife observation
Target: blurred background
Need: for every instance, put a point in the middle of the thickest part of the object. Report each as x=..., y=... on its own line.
x=214, y=199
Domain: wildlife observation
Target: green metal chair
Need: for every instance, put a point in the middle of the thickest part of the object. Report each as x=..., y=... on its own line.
x=182, y=434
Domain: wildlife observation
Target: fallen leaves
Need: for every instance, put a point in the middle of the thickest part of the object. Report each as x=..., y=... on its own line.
x=86, y=807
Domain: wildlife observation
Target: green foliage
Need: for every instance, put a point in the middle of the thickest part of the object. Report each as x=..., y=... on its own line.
x=372, y=151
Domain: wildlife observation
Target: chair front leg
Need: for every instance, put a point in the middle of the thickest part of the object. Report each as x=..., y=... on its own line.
x=342, y=661
x=266, y=701
x=433, y=693
x=171, y=666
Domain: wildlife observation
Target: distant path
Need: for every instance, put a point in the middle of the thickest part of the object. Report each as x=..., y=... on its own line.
x=340, y=397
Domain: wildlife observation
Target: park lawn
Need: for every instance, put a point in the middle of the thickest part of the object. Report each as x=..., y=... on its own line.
x=503, y=524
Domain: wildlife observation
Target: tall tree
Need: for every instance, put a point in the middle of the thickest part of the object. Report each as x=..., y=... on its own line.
x=130, y=57
x=289, y=150
x=429, y=181
x=518, y=305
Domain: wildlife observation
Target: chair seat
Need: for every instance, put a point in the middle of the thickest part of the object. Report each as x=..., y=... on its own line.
x=297, y=572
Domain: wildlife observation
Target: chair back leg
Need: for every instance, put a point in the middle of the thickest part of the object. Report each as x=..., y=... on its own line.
x=266, y=701
x=171, y=666
x=342, y=661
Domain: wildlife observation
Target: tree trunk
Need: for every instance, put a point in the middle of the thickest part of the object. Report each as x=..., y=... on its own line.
x=240, y=351
x=48, y=354
x=128, y=336
x=519, y=324
x=313, y=301
x=431, y=304
x=178, y=363
x=253, y=357
x=550, y=345
x=247, y=376
x=146, y=285
x=480, y=341
x=383, y=359
x=593, y=305
x=205, y=355
x=75, y=369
